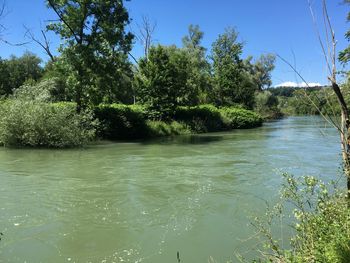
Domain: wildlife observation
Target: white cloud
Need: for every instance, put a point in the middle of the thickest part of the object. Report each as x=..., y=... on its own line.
x=302, y=84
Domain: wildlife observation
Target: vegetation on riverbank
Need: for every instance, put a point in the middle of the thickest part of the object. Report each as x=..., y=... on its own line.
x=123, y=122
x=170, y=90
x=321, y=223
x=309, y=101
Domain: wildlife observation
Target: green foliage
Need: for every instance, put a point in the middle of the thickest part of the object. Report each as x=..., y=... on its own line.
x=321, y=223
x=208, y=118
x=39, y=124
x=37, y=91
x=232, y=83
x=121, y=122
x=266, y=104
x=235, y=118
x=160, y=128
x=203, y=118
x=199, y=79
x=162, y=80
x=95, y=49
x=15, y=71
x=261, y=70
x=313, y=101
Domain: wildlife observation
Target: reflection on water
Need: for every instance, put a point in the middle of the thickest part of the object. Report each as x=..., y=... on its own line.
x=144, y=201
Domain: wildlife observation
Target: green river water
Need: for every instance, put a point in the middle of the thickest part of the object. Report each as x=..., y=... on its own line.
x=144, y=201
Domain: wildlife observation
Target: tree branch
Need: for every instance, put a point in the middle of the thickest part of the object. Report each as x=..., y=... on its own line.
x=61, y=16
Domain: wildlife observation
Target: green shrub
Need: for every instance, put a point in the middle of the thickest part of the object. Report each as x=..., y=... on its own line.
x=40, y=124
x=121, y=122
x=204, y=118
x=234, y=118
x=160, y=128
x=208, y=118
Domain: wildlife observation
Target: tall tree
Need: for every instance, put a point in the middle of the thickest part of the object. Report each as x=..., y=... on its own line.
x=95, y=46
x=262, y=69
x=194, y=38
x=232, y=83
x=162, y=80
x=199, y=79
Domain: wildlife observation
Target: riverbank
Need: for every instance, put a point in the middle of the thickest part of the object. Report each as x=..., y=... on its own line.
x=124, y=122
x=34, y=123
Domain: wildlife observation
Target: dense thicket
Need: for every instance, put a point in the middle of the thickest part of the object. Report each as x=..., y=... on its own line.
x=120, y=122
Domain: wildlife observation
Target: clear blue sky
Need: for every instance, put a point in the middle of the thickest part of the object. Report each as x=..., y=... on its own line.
x=278, y=26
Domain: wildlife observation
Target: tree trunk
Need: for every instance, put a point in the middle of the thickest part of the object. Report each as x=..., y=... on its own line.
x=344, y=133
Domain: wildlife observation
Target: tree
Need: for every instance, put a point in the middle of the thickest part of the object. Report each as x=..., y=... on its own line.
x=15, y=71
x=145, y=36
x=44, y=43
x=162, y=79
x=193, y=39
x=199, y=79
x=95, y=46
x=232, y=83
x=262, y=69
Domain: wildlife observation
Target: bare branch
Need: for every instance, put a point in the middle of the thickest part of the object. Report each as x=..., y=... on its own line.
x=146, y=31
x=319, y=38
x=133, y=58
x=61, y=17
x=44, y=44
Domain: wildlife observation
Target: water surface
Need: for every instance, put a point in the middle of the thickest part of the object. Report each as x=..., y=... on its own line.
x=144, y=201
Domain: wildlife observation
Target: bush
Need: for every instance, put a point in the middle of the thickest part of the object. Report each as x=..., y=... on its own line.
x=121, y=122
x=240, y=118
x=40, y=124
x=204, y=118
x=208, y=118
x=160, y=128
x=34, y=91
x=321, y=223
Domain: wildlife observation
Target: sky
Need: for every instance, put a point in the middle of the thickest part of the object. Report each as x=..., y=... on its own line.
x=284, y=27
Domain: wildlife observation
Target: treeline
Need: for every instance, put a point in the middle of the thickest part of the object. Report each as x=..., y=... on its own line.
x=309, y=101
x=93, y=68
x=168, y=77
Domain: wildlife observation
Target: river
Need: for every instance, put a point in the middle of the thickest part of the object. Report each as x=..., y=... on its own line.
x=145, y=201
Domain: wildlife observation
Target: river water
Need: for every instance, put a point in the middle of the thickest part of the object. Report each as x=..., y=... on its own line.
x=145, y=201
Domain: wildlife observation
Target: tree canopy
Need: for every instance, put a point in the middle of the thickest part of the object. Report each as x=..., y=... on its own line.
x=95, y=47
